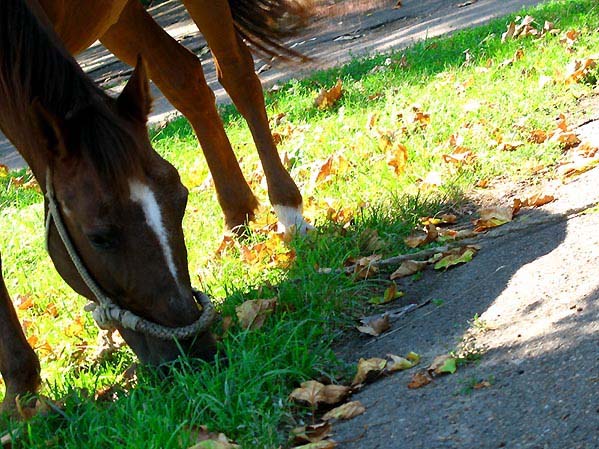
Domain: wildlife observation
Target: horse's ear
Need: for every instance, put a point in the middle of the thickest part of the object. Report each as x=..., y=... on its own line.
x=135, y=100
x=49, y=127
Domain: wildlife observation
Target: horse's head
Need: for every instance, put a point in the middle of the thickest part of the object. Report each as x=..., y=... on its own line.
x=123, y=207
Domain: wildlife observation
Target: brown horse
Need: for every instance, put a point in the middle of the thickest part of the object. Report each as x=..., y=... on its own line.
x=127, y=30
x=119, y=204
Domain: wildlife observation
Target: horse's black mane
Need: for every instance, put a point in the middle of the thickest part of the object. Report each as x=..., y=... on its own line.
x=35, y=65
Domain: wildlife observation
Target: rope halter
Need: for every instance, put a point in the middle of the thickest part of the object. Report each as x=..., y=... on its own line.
x=106, y=312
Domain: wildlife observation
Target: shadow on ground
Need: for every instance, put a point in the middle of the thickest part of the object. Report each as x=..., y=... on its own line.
x=535, y=293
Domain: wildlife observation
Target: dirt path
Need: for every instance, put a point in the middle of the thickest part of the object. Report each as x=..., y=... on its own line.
x=536, y=295
x=382, y=31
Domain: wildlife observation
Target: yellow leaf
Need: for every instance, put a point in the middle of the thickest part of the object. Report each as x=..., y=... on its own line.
x=327, y=98
x=398, y=158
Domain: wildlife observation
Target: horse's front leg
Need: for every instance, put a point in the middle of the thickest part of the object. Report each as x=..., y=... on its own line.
x=178, y=74
x=19, y=365
x=235, y=70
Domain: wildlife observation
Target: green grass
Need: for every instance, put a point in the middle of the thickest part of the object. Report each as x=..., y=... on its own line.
x=247, y=397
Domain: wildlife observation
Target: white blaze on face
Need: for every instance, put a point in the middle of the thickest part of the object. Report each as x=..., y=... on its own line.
x=143, y=195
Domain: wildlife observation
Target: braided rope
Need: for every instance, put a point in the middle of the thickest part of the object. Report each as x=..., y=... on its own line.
x=106, y=313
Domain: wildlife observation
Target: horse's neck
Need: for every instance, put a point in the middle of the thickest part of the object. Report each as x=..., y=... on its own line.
x=33, y=64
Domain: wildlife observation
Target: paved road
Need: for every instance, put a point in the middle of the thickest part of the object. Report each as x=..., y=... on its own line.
x=382, y=31
x=536, y=293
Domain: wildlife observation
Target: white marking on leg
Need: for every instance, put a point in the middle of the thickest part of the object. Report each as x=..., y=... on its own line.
x=291, y=218
x=143, y=195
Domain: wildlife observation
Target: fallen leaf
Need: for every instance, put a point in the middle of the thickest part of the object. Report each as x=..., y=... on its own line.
x=398, y=363
x=253, y=313
x=492, y=217
x=24, y=302
x=228, y=242
x=346, y=411
x=455, y=257
x=364, y=267
x=312, y=433
x=539, y=199
x=460, y=155
x=408, y=268
x=482, y=384
x=420, y=239
x=398, y=158
x=213, y=440
x=443, y=364
x=419, y=380
x=369, y=369
x=326, y=444
x=328, y=98
x=391, y=294
x=538, y=136
x=375, y=327
x=314, y=393
x=578, y=69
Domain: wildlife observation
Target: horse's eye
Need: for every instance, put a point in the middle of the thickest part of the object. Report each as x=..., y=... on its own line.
x=103, y=240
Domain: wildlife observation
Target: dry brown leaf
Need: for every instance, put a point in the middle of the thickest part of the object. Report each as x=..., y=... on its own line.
x=408, y=268
x=369, y=369
x=325, y=444
x=253, y=313
x=419, y=380
x=416, y=240
x=578, y=69
x=398, y=158
x=364, y=267
x=460, y=155
x=211, y=440
x=228, y=242
x=538, y=136
x=314, y=393
x=24, y=302
x=312, y=433
x=492, y=217
x=539, y=199
x=327, y=98
x=482, y=384
x=567, y=139
x=375, y=327
x=336, y=164
x=346, y=411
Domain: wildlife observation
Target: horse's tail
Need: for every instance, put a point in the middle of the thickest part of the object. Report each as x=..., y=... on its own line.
x=264, y=24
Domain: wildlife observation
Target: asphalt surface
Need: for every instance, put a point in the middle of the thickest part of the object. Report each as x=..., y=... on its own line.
x=535, y=292
x=334, y=43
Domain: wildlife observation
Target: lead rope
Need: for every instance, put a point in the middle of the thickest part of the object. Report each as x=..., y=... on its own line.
x=107, y=313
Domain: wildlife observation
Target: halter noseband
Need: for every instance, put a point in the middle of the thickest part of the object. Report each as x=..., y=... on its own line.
x=106, y=312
